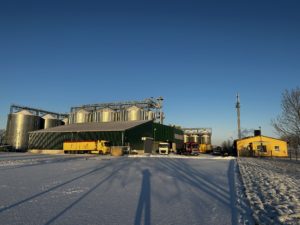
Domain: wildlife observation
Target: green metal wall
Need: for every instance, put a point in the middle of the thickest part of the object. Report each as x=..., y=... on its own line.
x=167, y=134
x=160, y=132
x=135, y=134
x=54, y=140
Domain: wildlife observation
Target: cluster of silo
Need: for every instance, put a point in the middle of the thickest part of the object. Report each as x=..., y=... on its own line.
x=200, y=138
x=132, y=113
x=21, y=122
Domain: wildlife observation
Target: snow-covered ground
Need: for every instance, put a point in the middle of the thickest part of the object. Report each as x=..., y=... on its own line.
x=121, y=190
x=273, y=188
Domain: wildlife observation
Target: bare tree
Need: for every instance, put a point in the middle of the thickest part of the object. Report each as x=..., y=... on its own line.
x=287, y=124
x=227, y=147
x=2, y=136
x=247, y=132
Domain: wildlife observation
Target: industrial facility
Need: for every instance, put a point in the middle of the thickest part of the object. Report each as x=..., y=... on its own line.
x=141, y=136
x=135, y=124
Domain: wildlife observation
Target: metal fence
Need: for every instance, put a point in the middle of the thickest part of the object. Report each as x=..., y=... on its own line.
x=294, y=153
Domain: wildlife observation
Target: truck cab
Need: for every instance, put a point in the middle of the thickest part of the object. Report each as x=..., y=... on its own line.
x=163, y=148
x=191, y=148
x=103, y=147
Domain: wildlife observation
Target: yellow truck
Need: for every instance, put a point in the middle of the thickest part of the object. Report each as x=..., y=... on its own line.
x=205, y=148
x=95, y=147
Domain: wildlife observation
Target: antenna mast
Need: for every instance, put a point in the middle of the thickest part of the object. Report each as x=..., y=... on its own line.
x=238, y=106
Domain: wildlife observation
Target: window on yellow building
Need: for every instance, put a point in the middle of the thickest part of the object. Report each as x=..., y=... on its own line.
x=276, y=148
x=262, y=148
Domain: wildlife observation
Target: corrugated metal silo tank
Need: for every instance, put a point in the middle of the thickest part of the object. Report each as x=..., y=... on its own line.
x=65, y=121
x=205, y=138
x=186, y=138
x=107, y=115
x=150, y=115
x=117, y=116
x=134, y=113
x=71, y=118
x=51, y=121
x=82, y=116
x=97, y=115
x=123, y=116
x=195, y=138
x=18, y=126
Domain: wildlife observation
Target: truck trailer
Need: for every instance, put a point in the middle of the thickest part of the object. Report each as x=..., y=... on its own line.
x=94, y=147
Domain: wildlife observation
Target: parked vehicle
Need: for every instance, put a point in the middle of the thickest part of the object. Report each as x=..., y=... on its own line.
x=191, y=148
x=217, y=150
x=164, y=148
x=95, y=147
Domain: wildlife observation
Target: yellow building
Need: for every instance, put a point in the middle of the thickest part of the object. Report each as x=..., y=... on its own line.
x=261, y=146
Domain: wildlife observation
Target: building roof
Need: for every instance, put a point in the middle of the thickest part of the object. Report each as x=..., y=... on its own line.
x=94, y=126
x=244, y=138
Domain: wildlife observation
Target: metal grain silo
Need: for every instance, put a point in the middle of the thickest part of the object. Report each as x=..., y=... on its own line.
x=205, y=138
x=51, y=121
x=151, y=115
x=186, y=138
x=107, y=115
x=71, y=118
x=195, y=138
x=65, y=121
x=82, y=116
x=117, y=116
x=123, y=116
x=18, y=126
x=134, y=113
x=97, y=115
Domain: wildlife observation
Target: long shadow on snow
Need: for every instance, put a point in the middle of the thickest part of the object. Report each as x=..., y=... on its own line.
x=232, y=192
x=25, y=156
x=191, y=177
x=41, y=162
x=53, y=188
x=87, y=193
x=194, y=178
x=197, y=173
x=144, y=201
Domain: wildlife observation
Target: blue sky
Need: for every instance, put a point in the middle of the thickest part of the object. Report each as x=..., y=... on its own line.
x=196, y=54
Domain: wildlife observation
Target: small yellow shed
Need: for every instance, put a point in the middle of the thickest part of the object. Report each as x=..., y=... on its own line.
x=261, y=146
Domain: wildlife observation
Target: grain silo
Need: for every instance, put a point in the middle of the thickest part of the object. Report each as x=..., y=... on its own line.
x=51, y=121
x=107, y=115
x=186, y=138
x=82, y=116
x=18, y=126
x=134, y=113
x=205, y=138
x=195, y=138
x=150, y=115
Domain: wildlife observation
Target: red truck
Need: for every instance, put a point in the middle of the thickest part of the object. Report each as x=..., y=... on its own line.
x=191, y=148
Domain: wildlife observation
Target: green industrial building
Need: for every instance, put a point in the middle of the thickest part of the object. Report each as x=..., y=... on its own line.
x=139, y=135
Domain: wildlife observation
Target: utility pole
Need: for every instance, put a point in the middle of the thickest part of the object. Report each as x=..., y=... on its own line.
x=238, y=106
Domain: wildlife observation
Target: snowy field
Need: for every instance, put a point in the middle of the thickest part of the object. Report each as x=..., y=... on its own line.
x=43, y=189
x=273, y=189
